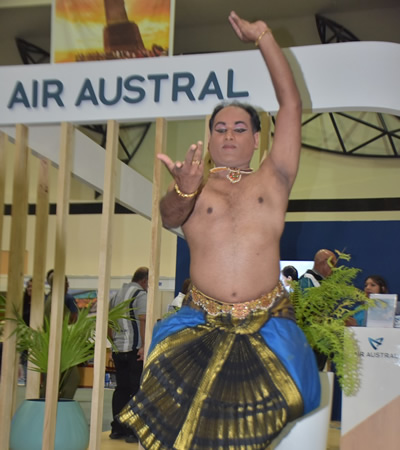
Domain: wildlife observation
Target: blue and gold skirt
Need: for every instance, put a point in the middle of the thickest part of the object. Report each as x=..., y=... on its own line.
x=222, y=376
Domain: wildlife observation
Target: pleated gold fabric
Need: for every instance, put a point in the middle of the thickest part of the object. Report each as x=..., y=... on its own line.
x=215, y=386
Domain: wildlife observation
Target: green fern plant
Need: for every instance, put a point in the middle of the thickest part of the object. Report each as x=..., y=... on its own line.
x=322, y=312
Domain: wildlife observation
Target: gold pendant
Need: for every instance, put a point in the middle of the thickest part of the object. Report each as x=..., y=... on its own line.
x=234, y=175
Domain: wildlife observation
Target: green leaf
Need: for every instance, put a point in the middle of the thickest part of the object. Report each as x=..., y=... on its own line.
x=77, y=339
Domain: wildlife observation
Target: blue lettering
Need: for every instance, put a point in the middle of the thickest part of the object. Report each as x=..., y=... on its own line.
x=230, y=92
x=87, y=94
x=35, y=93
x=176, y=87
x=141, y=93
x=208, y=89
x=18, y=96
x=48, y=94
x=157, y=78
x=117, y=96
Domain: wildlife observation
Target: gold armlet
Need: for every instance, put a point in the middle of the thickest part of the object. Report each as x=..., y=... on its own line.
x=182, y=194
x=257, y=42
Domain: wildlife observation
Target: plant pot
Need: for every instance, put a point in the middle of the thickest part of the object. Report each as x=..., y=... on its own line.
x=72, y=430
x=310, y=432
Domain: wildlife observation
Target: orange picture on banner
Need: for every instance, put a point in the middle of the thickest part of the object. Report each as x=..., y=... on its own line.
x=89, y=30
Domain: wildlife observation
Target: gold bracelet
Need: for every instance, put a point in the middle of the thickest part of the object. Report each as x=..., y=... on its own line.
x=267, y=30
x=182, y=194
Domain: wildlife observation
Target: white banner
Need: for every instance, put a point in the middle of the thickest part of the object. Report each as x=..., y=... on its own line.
x=190, y=86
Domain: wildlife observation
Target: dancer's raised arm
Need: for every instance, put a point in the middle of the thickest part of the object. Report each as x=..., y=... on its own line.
x=286, y=145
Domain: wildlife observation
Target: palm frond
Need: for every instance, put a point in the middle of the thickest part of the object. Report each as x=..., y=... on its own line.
x=77, y=339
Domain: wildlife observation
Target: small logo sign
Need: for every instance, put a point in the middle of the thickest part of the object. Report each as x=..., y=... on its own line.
x=375, y=343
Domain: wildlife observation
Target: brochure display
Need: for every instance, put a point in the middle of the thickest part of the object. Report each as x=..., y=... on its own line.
x=370, y=418
x=382, y=315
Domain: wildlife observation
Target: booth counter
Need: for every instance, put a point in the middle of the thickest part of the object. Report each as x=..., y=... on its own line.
x=371, y=418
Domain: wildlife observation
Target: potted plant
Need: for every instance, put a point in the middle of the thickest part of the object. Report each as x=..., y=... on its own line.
x=323, y=314
x=77, y=347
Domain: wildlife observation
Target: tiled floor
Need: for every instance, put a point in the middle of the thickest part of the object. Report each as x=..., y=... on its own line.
x=84, y=397
x=108, y=444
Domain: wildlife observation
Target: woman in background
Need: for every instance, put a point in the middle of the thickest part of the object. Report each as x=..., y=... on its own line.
x=373, y=284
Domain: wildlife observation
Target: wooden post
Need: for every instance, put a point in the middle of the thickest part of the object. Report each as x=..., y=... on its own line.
x=104, y=284
x=154, y=311
x=58, y=288
x=39, y=268
x=3, y=162
x=15, y=283
x=208, y=162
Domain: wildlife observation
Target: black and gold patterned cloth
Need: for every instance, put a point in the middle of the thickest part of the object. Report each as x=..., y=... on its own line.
x=211, y=381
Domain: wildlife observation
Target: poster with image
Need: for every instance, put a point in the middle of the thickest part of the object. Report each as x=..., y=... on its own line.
x=91, y=30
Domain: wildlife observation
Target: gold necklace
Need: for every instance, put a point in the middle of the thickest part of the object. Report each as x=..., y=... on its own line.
x=234, y=174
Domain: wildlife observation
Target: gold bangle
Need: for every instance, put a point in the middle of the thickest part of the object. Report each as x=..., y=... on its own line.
x=182, y=194
x=267, y=30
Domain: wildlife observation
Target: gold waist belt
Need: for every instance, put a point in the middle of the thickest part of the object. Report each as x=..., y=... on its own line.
x=238, y=310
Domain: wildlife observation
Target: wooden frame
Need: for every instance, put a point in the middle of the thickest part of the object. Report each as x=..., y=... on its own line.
x=16, y=270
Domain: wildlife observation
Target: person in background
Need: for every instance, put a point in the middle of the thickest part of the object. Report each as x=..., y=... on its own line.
x=289, y=274
x=71, y=379
x=70, y=306
x=324, y=260
x=373, y=284
x=129, y=342
x=177, y=301
x=26, y=314
x=26, y=305
x=48, y=283
x=221, y=371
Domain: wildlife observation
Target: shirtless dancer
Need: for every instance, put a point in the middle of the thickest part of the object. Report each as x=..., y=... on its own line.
x=232, y=368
